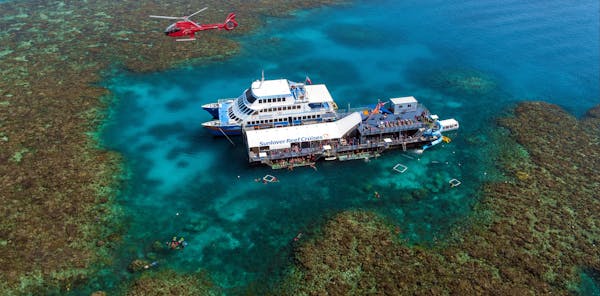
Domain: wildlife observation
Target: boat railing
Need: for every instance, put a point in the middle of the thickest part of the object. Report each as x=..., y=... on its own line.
x=337, y=148
x=373, y=130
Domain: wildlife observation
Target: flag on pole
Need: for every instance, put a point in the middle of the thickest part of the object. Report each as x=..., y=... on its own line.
x=307, y=80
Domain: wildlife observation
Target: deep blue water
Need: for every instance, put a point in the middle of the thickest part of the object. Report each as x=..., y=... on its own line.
x=185, y=182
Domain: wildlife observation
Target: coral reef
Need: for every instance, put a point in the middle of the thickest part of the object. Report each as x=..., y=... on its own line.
x=461, y=81
x=530, y=235
x=168, y=282
x=56, y=185
x=138, y=265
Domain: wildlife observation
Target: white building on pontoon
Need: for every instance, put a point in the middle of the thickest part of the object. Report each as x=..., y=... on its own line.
x=261, y=141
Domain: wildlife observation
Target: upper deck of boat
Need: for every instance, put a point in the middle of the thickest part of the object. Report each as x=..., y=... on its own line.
x=385, y=121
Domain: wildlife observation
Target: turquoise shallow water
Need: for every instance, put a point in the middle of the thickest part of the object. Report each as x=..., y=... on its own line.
x=185, y=182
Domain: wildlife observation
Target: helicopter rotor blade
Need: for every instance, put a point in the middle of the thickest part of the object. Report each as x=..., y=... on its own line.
x=199, y=11
x=167, y=17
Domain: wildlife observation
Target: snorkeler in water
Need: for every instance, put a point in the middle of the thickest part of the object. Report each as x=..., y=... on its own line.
x=176, y=244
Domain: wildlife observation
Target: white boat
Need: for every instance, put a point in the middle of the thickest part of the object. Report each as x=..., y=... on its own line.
x=271, y=103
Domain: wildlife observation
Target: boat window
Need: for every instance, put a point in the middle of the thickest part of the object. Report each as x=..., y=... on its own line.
x=250, y=97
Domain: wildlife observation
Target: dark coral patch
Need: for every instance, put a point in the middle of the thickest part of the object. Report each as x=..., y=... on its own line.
x=164, y=131
x=177, y=105
x=361, y=35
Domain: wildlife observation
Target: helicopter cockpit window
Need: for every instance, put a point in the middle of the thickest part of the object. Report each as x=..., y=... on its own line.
x=172, y=29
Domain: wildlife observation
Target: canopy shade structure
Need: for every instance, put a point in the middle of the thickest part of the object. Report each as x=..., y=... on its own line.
x=284, y=137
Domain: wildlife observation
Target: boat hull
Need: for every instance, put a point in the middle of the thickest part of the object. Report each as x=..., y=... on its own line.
x=213, y=111
x=227, y=130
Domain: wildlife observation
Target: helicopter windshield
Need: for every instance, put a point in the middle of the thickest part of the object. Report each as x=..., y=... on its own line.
x=171, y=29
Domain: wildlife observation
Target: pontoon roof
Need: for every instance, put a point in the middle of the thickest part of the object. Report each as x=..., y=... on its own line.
x=283, y=137
x=403, y=100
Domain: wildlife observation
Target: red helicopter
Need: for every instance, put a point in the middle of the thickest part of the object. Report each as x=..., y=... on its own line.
x=188, y=28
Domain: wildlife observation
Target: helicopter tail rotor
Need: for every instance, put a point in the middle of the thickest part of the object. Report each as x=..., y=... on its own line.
x=230, y=23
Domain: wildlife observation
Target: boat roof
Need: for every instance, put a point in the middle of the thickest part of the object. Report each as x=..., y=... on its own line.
x=271, y=88
x=403, y=100
x=283, y=137
x=449, y=122
x=316, y=93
